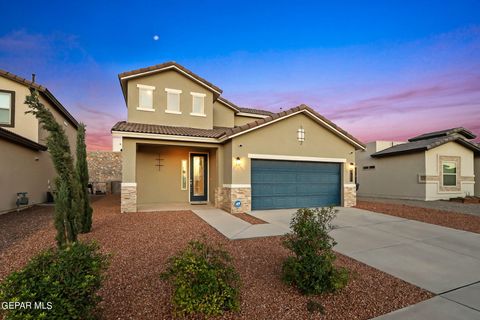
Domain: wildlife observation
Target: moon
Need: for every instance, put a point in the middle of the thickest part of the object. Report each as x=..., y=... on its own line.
x=156, y=37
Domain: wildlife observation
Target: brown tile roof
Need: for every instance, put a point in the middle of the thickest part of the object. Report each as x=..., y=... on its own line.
x=170, y=64
x=442, y=133
x=17, y=139
x=226, y=133
x=124, y=126
x=256, y=111
x=425, y=144
x=43, y=90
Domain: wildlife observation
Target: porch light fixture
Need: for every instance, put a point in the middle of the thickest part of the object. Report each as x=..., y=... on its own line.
x=237, y=162
x=301, y=135
x=352, y=166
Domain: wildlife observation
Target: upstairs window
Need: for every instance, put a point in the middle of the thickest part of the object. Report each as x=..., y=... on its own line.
x=145, y=97
x=7, y=108
x=449, y=171
x=198, y=104
x=173, y=101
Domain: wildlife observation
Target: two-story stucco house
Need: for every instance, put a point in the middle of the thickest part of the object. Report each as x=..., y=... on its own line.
x=432, y=166
x=184, y=143
x=25, y=164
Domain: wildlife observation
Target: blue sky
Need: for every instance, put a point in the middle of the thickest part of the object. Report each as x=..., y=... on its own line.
x=379, y=69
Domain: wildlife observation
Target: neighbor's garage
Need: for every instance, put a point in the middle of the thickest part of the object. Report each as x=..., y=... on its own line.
x=282, y=184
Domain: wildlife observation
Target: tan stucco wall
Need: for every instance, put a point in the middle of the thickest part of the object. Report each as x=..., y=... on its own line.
x=393, y=177
x=20, y=172
x=172, y=80
x=164, y=185
x=222, y=115
x=241, y=120
x=26, y=125
x=477, y=176
x=433, y=168
x=280, y=138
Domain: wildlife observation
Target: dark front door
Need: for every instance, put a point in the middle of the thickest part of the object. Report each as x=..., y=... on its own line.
x=198, y=177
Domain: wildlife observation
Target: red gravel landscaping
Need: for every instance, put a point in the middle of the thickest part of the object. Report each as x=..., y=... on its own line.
x=249, y=218
x=142, y=242
x=455, y=220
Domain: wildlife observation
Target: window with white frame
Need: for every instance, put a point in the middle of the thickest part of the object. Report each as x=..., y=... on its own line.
x=173, y=101
x=7, y=108
x=198, y=104
x=145, y=97
x=449, y=172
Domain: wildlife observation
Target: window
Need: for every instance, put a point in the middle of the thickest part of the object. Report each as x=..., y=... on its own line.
x=183, y=175
x=449, y=171
x=145, y=97
x=173, y=101
x=198, y=104
x=7, y=108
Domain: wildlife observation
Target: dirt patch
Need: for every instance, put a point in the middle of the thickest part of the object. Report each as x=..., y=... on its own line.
x=449, y=219
x=141, y=243
x=249, y=218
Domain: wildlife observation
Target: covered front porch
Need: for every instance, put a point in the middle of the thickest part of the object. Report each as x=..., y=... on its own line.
x=168, y=176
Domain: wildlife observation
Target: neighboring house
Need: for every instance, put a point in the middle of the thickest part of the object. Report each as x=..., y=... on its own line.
x=25, y=162
x=432, y=166
x=477, y=172
x=183, y=143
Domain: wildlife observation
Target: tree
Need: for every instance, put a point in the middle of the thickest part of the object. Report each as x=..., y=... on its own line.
x=66, y=185
x=85, y=217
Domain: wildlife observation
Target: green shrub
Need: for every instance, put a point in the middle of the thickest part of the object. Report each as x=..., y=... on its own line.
x=311, y=267
x=204, y=280
x=65, y=279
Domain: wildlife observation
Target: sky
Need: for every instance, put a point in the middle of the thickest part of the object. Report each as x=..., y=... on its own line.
x=382, y=70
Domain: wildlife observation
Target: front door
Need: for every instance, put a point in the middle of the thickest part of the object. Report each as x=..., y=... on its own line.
x=198, y=177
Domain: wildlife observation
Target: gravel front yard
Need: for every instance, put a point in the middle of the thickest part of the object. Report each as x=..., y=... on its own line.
x=455, y=220
x=142, y=242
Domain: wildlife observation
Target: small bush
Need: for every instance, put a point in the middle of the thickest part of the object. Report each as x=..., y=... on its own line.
x=204, y=280
x=311, y=267
x=65, y=280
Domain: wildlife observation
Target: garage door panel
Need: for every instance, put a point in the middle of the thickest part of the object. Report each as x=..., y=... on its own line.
x=294, y=184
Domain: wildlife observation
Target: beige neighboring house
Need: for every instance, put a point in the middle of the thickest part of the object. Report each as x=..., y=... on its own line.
x=184, y=143
x=432, y=166
x=477, y=172
x=26, y=165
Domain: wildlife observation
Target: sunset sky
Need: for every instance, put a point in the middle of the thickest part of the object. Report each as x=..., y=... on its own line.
x=380, y=71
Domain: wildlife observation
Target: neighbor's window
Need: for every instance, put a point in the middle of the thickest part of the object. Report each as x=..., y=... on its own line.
x=449, y=171
x=173, y=101
x=198, y=104
x=145, y=97
x=184, y=175
x=7, y=108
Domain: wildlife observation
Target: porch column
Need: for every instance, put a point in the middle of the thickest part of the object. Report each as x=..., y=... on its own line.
x=129, y=182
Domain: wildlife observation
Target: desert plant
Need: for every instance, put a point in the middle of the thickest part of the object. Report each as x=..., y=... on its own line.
x=204, y=280
x=311, y=268
x=60, y=283
x=66, y=182
x=85, y=214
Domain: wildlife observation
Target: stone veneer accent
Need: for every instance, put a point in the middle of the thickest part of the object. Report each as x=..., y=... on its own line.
x=129, y=197
x=104, y=167
x=349, y=195
x=225, y=198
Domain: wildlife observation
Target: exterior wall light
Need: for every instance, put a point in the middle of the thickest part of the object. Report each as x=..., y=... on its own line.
x=301, y=135
x=237, y=162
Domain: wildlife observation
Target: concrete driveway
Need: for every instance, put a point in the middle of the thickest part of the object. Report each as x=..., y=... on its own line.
x=441, y=260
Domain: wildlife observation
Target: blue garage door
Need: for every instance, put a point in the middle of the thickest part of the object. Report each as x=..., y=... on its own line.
x=294, y=184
